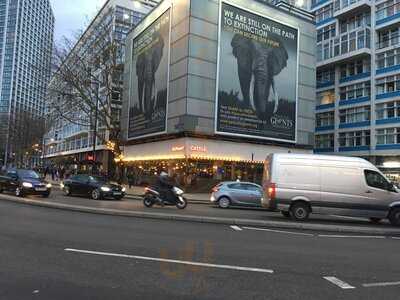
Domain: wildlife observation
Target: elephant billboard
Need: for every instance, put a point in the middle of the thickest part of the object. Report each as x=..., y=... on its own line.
x=149, y=79
x=257, y=76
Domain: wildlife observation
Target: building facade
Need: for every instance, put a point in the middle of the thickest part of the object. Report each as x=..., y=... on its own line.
x=69, y=143
x=358, y=87
x=230, y=82
x=26, y=41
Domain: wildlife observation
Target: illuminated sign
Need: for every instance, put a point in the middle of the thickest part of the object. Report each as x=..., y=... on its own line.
x=193, y=148
x=198, y=148
x=178, y=148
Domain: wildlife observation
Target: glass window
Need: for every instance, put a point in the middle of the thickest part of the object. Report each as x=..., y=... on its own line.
x=376, y=180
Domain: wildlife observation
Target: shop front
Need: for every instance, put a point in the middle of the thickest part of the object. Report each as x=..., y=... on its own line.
x=198, y=164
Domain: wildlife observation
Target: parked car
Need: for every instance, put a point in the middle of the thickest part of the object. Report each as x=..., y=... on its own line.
x=300, y=184
x=94, y=186
x=233, y=193
x=23, y=182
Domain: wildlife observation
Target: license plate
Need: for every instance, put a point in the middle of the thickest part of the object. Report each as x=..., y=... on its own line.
x=40, y=189
x=117, y=193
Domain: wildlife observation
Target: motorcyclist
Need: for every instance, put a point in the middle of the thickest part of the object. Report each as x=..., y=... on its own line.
x=165, y=184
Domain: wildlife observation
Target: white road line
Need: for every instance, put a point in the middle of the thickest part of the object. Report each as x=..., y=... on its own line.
x=339, y=283
x=279, y=231
x=395, y=238
x=183, y=262
x=352, y=236
x=381, y=284
x=237, y=228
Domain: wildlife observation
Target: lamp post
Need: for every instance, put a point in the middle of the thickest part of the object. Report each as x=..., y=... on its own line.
x=95, y=127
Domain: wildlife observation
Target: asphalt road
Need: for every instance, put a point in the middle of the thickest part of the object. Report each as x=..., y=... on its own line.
x=54, y=254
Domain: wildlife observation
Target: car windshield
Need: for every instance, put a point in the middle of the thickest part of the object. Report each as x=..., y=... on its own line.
x=28, y=174
x=96, y=179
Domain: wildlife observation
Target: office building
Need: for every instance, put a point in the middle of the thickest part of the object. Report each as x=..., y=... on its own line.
x=26, y=40
x=69, y=143
x=358, y=80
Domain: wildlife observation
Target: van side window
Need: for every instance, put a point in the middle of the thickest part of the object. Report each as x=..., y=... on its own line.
x=376, y=180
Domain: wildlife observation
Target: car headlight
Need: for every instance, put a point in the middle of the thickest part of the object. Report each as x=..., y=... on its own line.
x=27, y=184
x=49, y=185
x=61, y=185
x=178, y=191
x=105, y=189
x=123, y=189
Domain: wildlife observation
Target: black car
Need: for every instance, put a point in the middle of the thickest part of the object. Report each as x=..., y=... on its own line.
x=23, y=182
x=94, y=186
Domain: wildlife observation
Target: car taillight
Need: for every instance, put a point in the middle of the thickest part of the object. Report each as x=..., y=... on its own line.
x=272, y=191
x=215, y=189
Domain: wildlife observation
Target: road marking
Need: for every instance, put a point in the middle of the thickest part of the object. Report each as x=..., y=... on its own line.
x=353, y=236
x=395, y=238
x=279, y=231
x=339, y=283
x=381, y=284
x=237, y=228
x=174, y=261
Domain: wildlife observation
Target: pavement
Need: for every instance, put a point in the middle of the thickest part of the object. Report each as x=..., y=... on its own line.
x=208, y=214
x=58, y=254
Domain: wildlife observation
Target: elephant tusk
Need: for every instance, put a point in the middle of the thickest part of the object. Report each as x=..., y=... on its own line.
x=251, y=93
x=276, y=100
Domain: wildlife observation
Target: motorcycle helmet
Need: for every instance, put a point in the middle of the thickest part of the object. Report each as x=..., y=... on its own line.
x=163, y=173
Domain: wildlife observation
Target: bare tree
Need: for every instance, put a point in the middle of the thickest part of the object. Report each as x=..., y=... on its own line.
x=25, y=136
x=86, y=87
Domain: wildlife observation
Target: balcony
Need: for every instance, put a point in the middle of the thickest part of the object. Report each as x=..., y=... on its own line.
x=355, y=124
x=324, y=128
x=344, y=8
x=345, y=47
x=354, y=77
x=355, y=148
x=387, y=16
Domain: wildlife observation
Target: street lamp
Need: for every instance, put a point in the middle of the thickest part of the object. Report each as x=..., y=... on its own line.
x=95, y=126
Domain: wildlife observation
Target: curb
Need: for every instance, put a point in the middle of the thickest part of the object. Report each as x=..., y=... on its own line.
x=211, y=220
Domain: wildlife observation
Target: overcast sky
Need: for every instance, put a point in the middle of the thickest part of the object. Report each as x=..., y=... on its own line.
x=73, y=15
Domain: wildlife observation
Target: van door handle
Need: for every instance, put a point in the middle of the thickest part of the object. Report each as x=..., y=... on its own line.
x=369, y=192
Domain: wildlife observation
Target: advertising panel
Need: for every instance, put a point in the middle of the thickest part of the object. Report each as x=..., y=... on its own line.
x=257, y=76
x=149, y=79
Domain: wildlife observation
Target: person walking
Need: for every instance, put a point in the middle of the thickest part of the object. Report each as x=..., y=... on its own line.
x=131, y=179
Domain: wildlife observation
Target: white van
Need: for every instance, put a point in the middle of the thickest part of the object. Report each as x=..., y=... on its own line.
x=300, y=184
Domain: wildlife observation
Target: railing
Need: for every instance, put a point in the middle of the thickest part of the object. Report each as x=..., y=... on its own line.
x=341, y=4
x=392, y=41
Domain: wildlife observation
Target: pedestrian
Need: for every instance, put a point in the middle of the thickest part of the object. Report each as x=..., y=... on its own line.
x=131, y=179
x=62, y=172
x=53, y=173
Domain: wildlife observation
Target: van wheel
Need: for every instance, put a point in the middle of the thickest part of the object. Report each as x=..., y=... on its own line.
x=375, y=220
x=394, y=216
x=300, y=211
x=286, y=214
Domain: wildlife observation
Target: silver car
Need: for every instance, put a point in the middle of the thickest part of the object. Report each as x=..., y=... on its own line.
x=233, y=193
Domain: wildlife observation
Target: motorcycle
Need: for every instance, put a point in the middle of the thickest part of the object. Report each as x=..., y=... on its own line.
x=153, y=197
